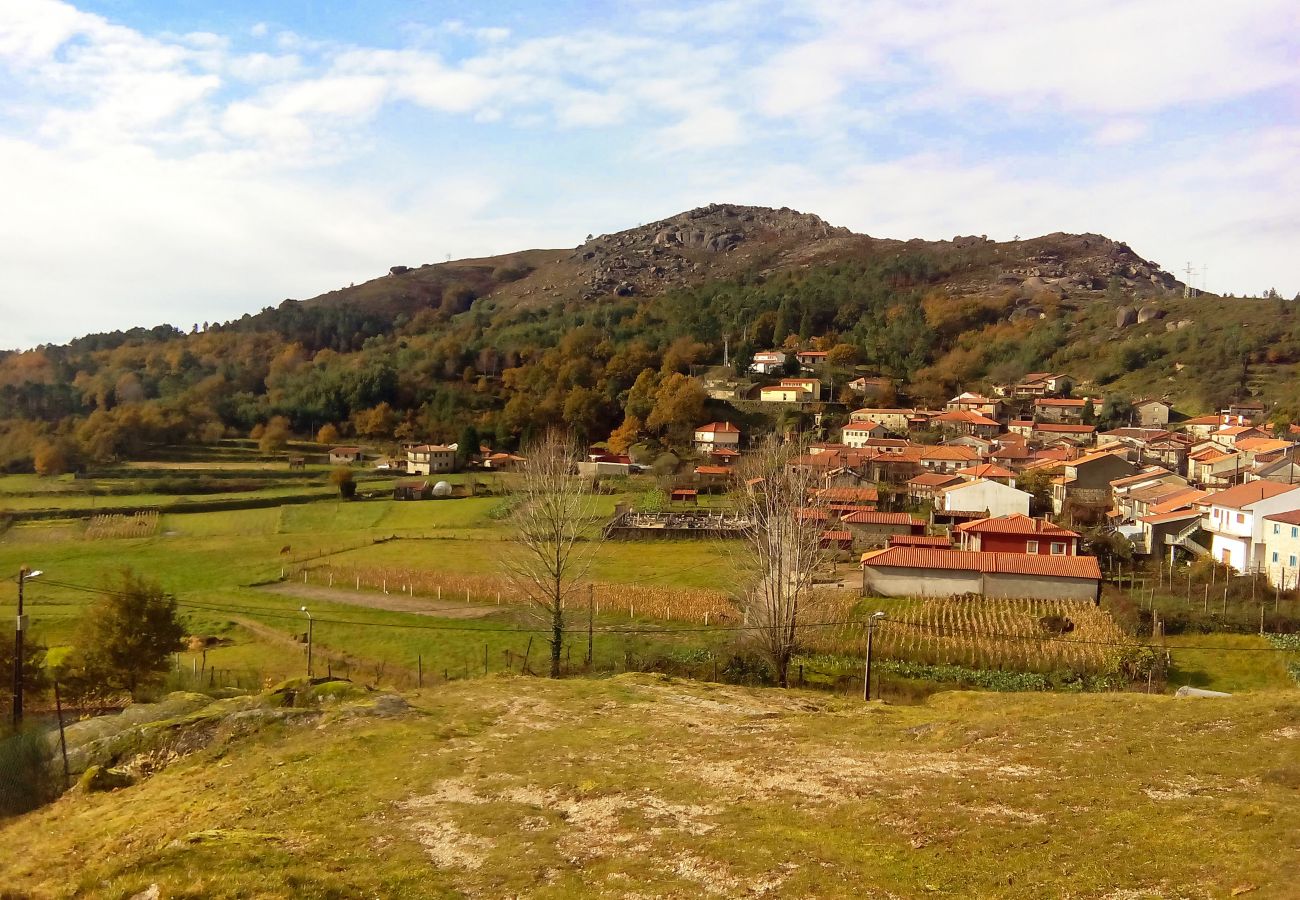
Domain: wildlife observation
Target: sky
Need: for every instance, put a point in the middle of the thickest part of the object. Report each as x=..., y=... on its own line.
x=184, y=161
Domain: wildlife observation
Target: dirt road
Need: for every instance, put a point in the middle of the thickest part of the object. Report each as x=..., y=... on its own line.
x=422, y=606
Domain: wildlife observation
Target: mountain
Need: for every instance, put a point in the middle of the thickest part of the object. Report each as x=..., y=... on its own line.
x=588, y=336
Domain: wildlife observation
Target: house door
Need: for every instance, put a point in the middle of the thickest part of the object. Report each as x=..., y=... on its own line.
x=1227, y=557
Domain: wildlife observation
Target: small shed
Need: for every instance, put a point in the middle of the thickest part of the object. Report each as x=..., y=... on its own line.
x=837, y=540
x=344, y=456
x=412, y=490
x=684, y=495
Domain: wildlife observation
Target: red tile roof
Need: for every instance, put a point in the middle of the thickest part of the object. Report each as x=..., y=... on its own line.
x=1015, y=523
x=967, y=417
x=988, y=470
x=991, y=563
x=1062, y=428
x=848, y=495
x=1287, y=518
x=1059, y=401
x=933, y=479
x=712, y=470
x=868, y=517
x=1242, y=495
x=960, y=454
x=719, y=427
x=1175, y=516
x=919, y=540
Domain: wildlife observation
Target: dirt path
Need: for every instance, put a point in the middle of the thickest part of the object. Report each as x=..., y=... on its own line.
x=421, y=606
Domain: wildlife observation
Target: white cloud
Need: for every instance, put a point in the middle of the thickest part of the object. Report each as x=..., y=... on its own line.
x=1120, y=131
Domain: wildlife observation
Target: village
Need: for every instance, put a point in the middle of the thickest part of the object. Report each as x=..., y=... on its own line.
x=996, y=496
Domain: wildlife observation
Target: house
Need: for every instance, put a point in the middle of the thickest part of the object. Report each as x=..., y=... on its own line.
x=946, y=459
x=811, y=358
x=1229, y=435
x=1042, y=384
x=992, y=498
x=1061, y=432
x=600, y=464
x=1017, y=533
x=345, y=456
x=1213, y=466
x=872, y=529
x=928, y=572
x=896, y=420
x=1059, y=409
x=1204, y=426
x=969, y=401
x=988, y=471
x=871, y=387
x=961, y=421
x=836, y=540
x=982, y=446
x=1084, y=486
x=427, y=459
x=1282, y=549
x=716, y=436
x=859, y=496
x=1235, y=520
x=1157, y=531
x=1151, y=413
x=713, y=475
x=412, y=490
x=921, y=489
x=1250, y=410
x=501, y=462
x=768, y=362
x=857, y=434
x=792, y=390
x=684, y=495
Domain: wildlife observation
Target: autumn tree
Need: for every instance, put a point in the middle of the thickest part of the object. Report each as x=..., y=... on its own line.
x=275, y=436
x=344, y=482
x=328, y=434
x=678, y=408
x=127, y=637
x=555, y=532
x=51, y=457
x=625, y=435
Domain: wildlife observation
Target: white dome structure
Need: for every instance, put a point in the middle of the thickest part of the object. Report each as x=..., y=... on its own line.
x=442, y=489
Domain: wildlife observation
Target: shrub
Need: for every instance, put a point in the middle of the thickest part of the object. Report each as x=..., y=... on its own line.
x=27, y=778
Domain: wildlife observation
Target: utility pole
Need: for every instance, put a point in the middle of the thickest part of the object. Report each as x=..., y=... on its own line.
x=591, y=619
x=310, y=623
x=20, y=625
x=866, y=673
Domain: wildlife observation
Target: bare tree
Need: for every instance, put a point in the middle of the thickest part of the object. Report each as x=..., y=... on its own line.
x=555, y=533
x=781, y=550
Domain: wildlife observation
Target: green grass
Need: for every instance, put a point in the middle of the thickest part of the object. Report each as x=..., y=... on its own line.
x=1250, y=663
x=649, y=787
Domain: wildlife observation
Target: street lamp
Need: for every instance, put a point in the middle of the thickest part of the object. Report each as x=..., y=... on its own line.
x=866, y=673
x=309, y=636
x=21, y=624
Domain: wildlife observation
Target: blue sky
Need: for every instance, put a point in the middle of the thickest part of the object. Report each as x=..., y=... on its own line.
x=188, y=160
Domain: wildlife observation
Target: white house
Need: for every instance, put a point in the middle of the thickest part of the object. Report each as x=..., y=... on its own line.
x=792, y=390
x=982, y=494
x=895, y=420
x=717, y=436
x=1282, y=549
x=858, y=434
x=1235, y=520
x=1151, y=412
x=768, y=362
x=426, y=459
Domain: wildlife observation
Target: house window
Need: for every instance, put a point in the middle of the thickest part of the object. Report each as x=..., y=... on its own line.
x=1241, y=518
x=1058, y=549
x=1295, y=532
x=1277, y=529
x=1031, y=546
x=1274, y=556
x=1291, y=561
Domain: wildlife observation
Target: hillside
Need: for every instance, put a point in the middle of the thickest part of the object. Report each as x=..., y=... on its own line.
x=513, y=344
x=643, y=786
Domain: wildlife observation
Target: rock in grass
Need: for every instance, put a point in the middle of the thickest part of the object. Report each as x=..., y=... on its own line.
x=101, y=778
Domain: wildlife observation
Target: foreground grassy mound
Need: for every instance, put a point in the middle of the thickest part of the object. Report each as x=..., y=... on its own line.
x=642, y=786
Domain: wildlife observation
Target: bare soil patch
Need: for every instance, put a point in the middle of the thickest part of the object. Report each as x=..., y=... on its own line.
x=420, y=606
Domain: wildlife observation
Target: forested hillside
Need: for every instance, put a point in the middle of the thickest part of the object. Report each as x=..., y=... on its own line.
x=607, y=334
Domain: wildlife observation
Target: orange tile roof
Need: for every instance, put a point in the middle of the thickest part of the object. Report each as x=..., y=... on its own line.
x=712, y=470
x=952, y=453
x=848, y=495
x=1016, y=523
x=1287, y=518
x=719, y=427
x=1243, y=495
x=991, y=563
x=987, y=470
x=967, y=417
x=1059, y=401
x=1176, y=515
x=919, y=540
x=870, y=517
x=932, y=479
x=1063, y=428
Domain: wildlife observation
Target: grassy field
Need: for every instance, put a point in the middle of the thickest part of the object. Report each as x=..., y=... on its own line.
x=639, y=786
x=212, y=560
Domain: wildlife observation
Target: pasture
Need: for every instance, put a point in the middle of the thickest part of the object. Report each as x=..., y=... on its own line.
x=381, y=575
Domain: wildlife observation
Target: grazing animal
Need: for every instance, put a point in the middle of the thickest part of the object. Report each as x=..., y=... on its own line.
x=284, y=551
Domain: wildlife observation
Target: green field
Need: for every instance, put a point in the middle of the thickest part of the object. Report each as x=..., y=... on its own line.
x=212, y=561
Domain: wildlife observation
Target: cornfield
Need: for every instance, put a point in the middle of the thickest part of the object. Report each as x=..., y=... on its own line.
x=634, y=600
x=1023, y=635
x=138, y=525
